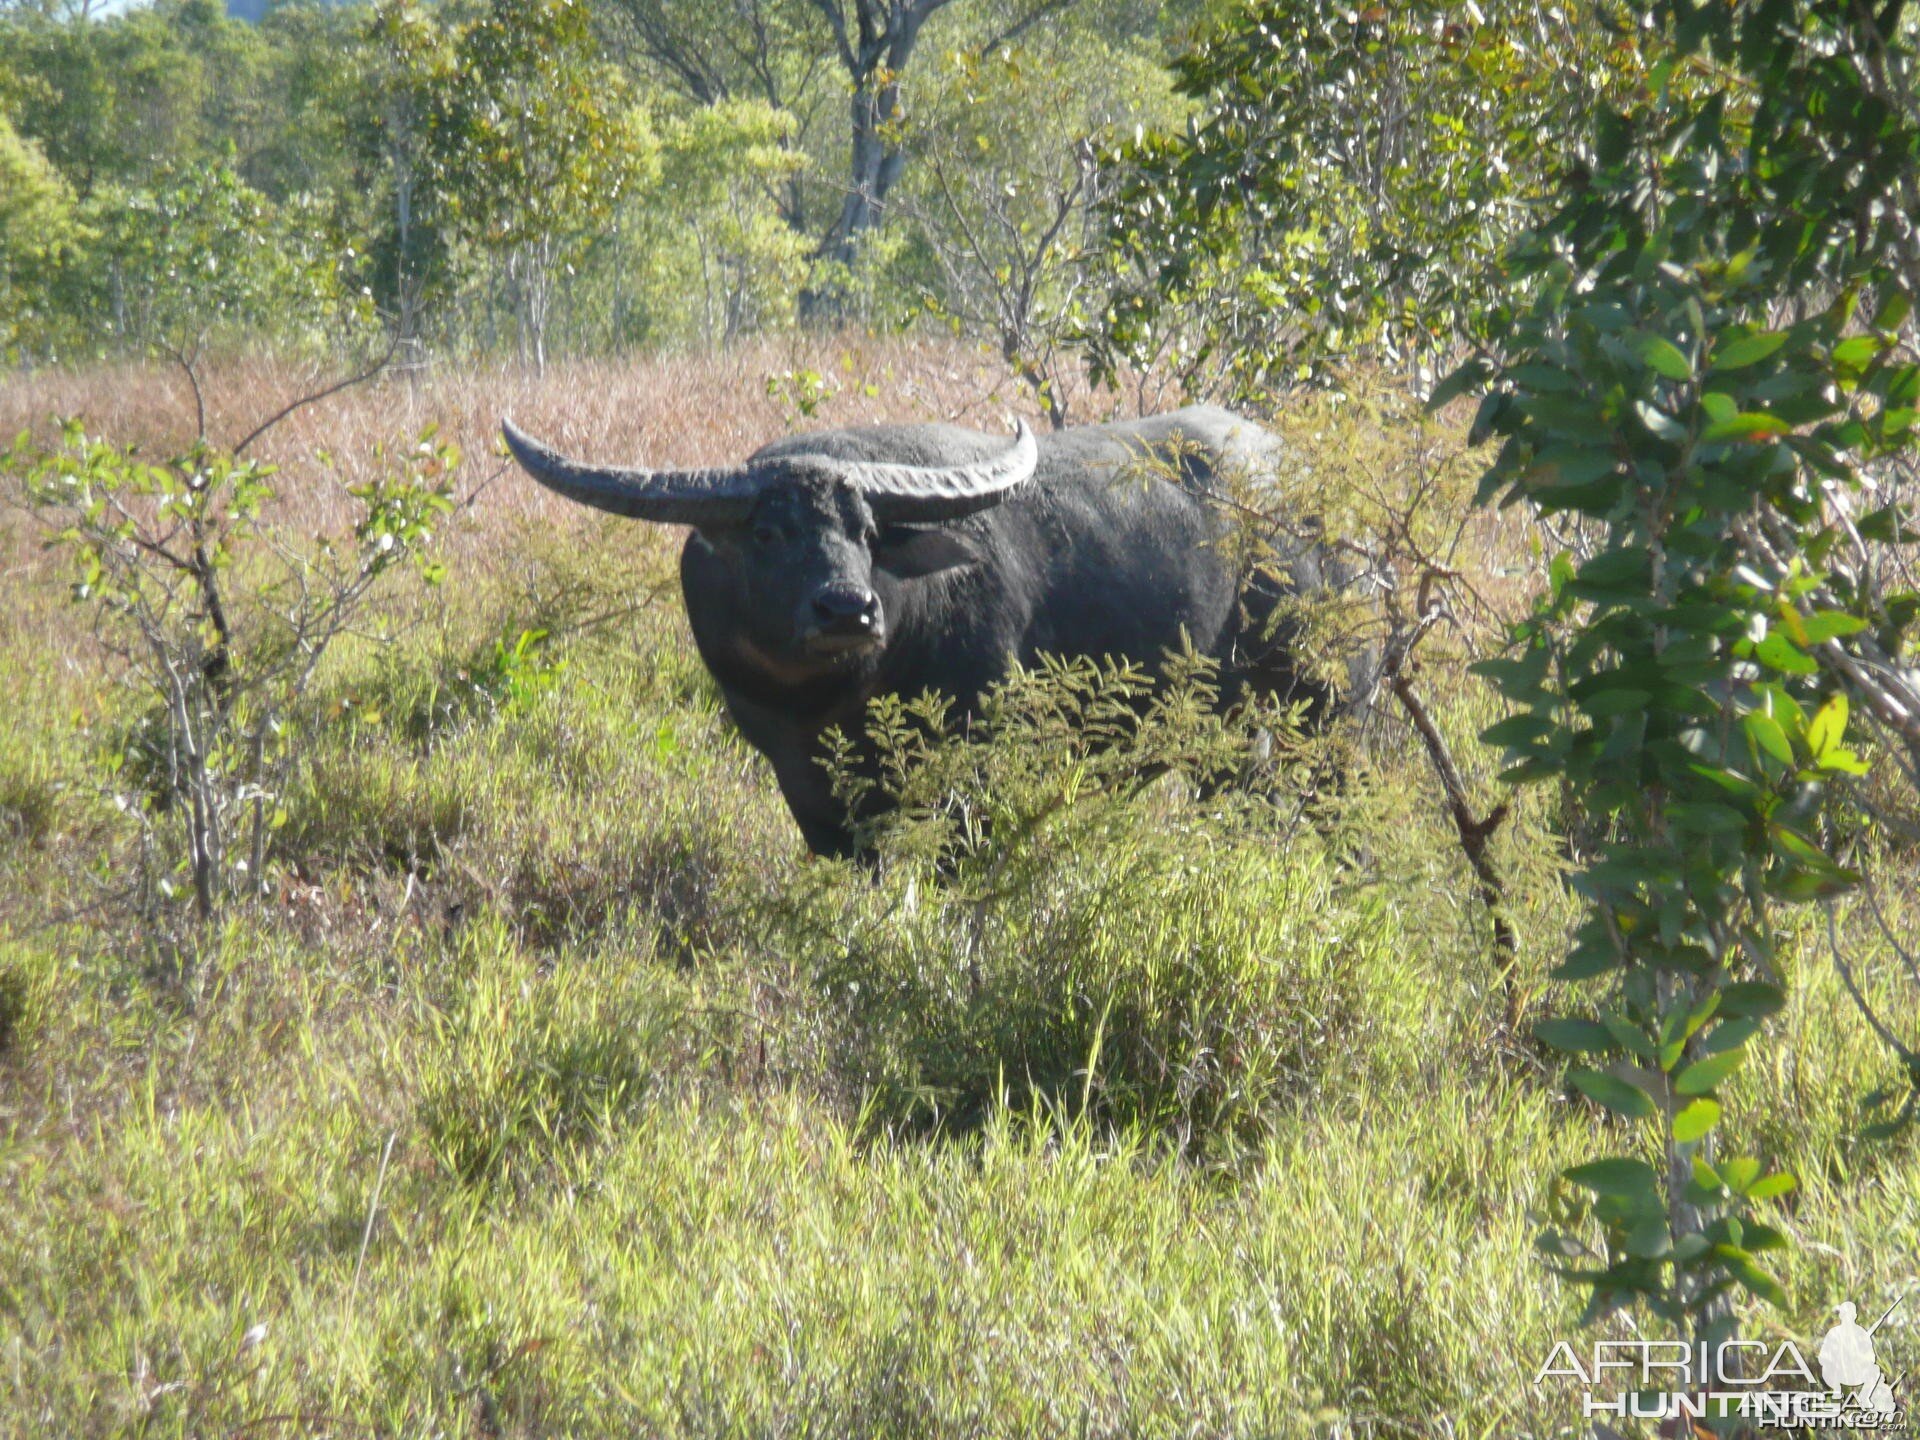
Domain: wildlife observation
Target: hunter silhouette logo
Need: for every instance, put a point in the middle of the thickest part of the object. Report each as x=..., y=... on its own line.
x=1847, y=1362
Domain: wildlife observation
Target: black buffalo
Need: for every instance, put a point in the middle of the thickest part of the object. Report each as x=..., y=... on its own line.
x=837, y=566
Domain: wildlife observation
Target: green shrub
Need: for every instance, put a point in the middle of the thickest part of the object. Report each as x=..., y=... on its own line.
x=1061, y=922
x=1189, y=987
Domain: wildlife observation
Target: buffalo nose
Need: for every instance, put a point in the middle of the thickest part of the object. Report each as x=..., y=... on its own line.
x=846, y=610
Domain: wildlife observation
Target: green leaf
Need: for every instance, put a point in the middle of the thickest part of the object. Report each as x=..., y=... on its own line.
x=1758, y=1281
x=1750, y=425
x=1703, y=818
x=1704, y=1075
x=1572, y=465
x=1752, y=999
x=1616, y=1175
x=1782, y=654
x=1745, y=350
x=1574, y=1036
x=1620, y=701
x=1828, y=727
x=1630, y=565
x=1740, y=1173
x=1696, y=1120
x=1828, y=625
x=1730, y=1034
x=1517, y=730
x=1663, y=357
x=1732, y=781
x=1614, y=1093
x=1895, y=306
x=1857, y=351
x=1843, y=762
x=1765, y=732
x=1889, y=524
x=1780, y=1182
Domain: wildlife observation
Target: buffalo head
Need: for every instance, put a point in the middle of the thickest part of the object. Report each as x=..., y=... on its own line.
x=803, y=553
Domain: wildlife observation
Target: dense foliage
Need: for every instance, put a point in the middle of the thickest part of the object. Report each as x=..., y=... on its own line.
x=582, y=174
x=1706, y=363
x=1352, y=175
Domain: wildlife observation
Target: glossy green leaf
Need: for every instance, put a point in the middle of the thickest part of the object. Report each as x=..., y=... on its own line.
x=1828, y=726
x=1574, y=1036
x=1703, y=1076
x=1782, y=654
x=1765, y=732
x=1745, y=350
x=1614, y=1093
x=1616, y=1175
x=1663, y=357
x=1751, y=426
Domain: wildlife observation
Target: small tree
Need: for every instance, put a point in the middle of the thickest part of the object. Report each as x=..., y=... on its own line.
x=720, y=165
x=39, y=232
x=537, y=142
x=220, y=621
x=402, y=62
x=200, y=254
x=791, y=53
x=1007, y=190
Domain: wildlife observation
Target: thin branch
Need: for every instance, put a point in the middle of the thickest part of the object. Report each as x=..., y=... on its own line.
x=393, y=348
x=1879, y=1027
x=1474, y=836
x=193, y=379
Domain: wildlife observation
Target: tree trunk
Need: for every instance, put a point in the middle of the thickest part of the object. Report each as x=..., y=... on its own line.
x=875, y=159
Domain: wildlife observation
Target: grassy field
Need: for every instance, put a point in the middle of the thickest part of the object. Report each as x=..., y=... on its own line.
x=554, y=1091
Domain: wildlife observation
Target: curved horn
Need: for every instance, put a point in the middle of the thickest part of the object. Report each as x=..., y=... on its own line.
x=670, y=497
x=944, y=492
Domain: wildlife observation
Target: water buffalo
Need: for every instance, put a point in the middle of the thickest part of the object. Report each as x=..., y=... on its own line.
x=836, y=566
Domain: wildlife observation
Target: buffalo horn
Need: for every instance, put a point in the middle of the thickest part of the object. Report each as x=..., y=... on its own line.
x=709, y=497
x=944, y=492
x=672, y=497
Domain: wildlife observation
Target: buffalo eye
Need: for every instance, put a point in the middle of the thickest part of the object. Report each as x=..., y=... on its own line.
x=765, y=535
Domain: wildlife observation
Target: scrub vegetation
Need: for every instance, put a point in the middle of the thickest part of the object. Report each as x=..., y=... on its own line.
x=550, y=1089
x=419, y=1015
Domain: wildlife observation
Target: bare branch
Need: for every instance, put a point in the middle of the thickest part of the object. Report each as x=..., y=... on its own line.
x=393, y=348
x=186, y=364
x=1879, y=1027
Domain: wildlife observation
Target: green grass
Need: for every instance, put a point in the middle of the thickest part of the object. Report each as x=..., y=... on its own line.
x=555, y=1092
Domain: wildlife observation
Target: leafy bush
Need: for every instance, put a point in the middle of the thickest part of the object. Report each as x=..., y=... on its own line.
x=1061, y=921
x=198, y=255
x=1351, y=179
x=1686, y=678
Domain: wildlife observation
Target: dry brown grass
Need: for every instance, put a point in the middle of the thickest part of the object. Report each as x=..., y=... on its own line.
x=663, y=409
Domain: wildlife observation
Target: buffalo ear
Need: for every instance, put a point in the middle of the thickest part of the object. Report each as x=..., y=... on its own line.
x=911, y=553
